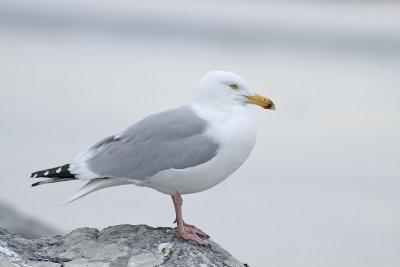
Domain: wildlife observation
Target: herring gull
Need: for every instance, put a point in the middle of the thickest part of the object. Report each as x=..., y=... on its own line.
x=179, y=151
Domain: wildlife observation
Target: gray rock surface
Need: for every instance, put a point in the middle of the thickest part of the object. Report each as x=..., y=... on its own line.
x=121, y=245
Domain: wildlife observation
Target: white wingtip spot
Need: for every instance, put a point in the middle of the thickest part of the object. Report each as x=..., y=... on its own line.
x=58, y=170
x=46, y=173
x=35, y=175
x=118, y=136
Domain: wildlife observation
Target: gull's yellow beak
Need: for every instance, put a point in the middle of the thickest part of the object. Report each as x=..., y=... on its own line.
x=261, y=101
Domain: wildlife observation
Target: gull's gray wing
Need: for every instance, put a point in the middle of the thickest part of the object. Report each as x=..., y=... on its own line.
x=170, y=139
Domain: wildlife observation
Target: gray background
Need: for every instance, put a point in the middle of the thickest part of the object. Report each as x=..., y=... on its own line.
x=321, y=187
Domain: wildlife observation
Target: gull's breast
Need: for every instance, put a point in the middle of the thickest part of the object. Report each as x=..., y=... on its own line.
x=235, y=133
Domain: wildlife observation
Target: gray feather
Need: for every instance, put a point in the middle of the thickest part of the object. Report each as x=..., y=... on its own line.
x=171, y=139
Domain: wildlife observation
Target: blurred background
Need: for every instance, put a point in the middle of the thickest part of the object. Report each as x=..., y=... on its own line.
x=322, y=185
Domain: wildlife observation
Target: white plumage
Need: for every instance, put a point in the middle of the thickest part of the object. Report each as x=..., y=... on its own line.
x=180, y=151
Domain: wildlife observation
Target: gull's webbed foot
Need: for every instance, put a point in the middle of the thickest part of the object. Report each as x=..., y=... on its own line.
x=191, y=229
x=191, y=234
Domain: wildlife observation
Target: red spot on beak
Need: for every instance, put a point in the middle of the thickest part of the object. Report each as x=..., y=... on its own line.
x=266, y=107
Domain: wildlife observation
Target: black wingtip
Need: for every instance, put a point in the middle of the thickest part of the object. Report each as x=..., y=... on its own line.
x=35, y=184
x=52, y=180
x=57, y=172
x=54, y=175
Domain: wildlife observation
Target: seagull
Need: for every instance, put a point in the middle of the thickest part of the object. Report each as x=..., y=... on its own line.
x=180, y=151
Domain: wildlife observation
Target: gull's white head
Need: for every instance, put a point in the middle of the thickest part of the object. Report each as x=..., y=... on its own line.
x=223, y=88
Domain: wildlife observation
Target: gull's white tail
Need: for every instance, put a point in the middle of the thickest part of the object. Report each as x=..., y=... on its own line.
x=94, y=185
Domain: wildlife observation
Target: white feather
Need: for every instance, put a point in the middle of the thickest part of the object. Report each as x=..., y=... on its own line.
x=94, y=185
x=231, y=125
x=234, y=129
x=79, y=168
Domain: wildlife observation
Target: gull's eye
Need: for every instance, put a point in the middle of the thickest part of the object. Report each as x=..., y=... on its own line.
x=234, y=86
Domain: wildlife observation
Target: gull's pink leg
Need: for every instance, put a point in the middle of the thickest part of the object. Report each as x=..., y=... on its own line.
x=186, y=231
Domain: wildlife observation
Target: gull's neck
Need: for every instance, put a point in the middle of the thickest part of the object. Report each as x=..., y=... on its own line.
x=220, y=112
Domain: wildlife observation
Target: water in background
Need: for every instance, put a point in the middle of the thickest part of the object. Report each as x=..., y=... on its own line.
x=321, y=187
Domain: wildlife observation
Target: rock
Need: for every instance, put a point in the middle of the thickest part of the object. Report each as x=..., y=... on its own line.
x=23, y=225
x=121, y=245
